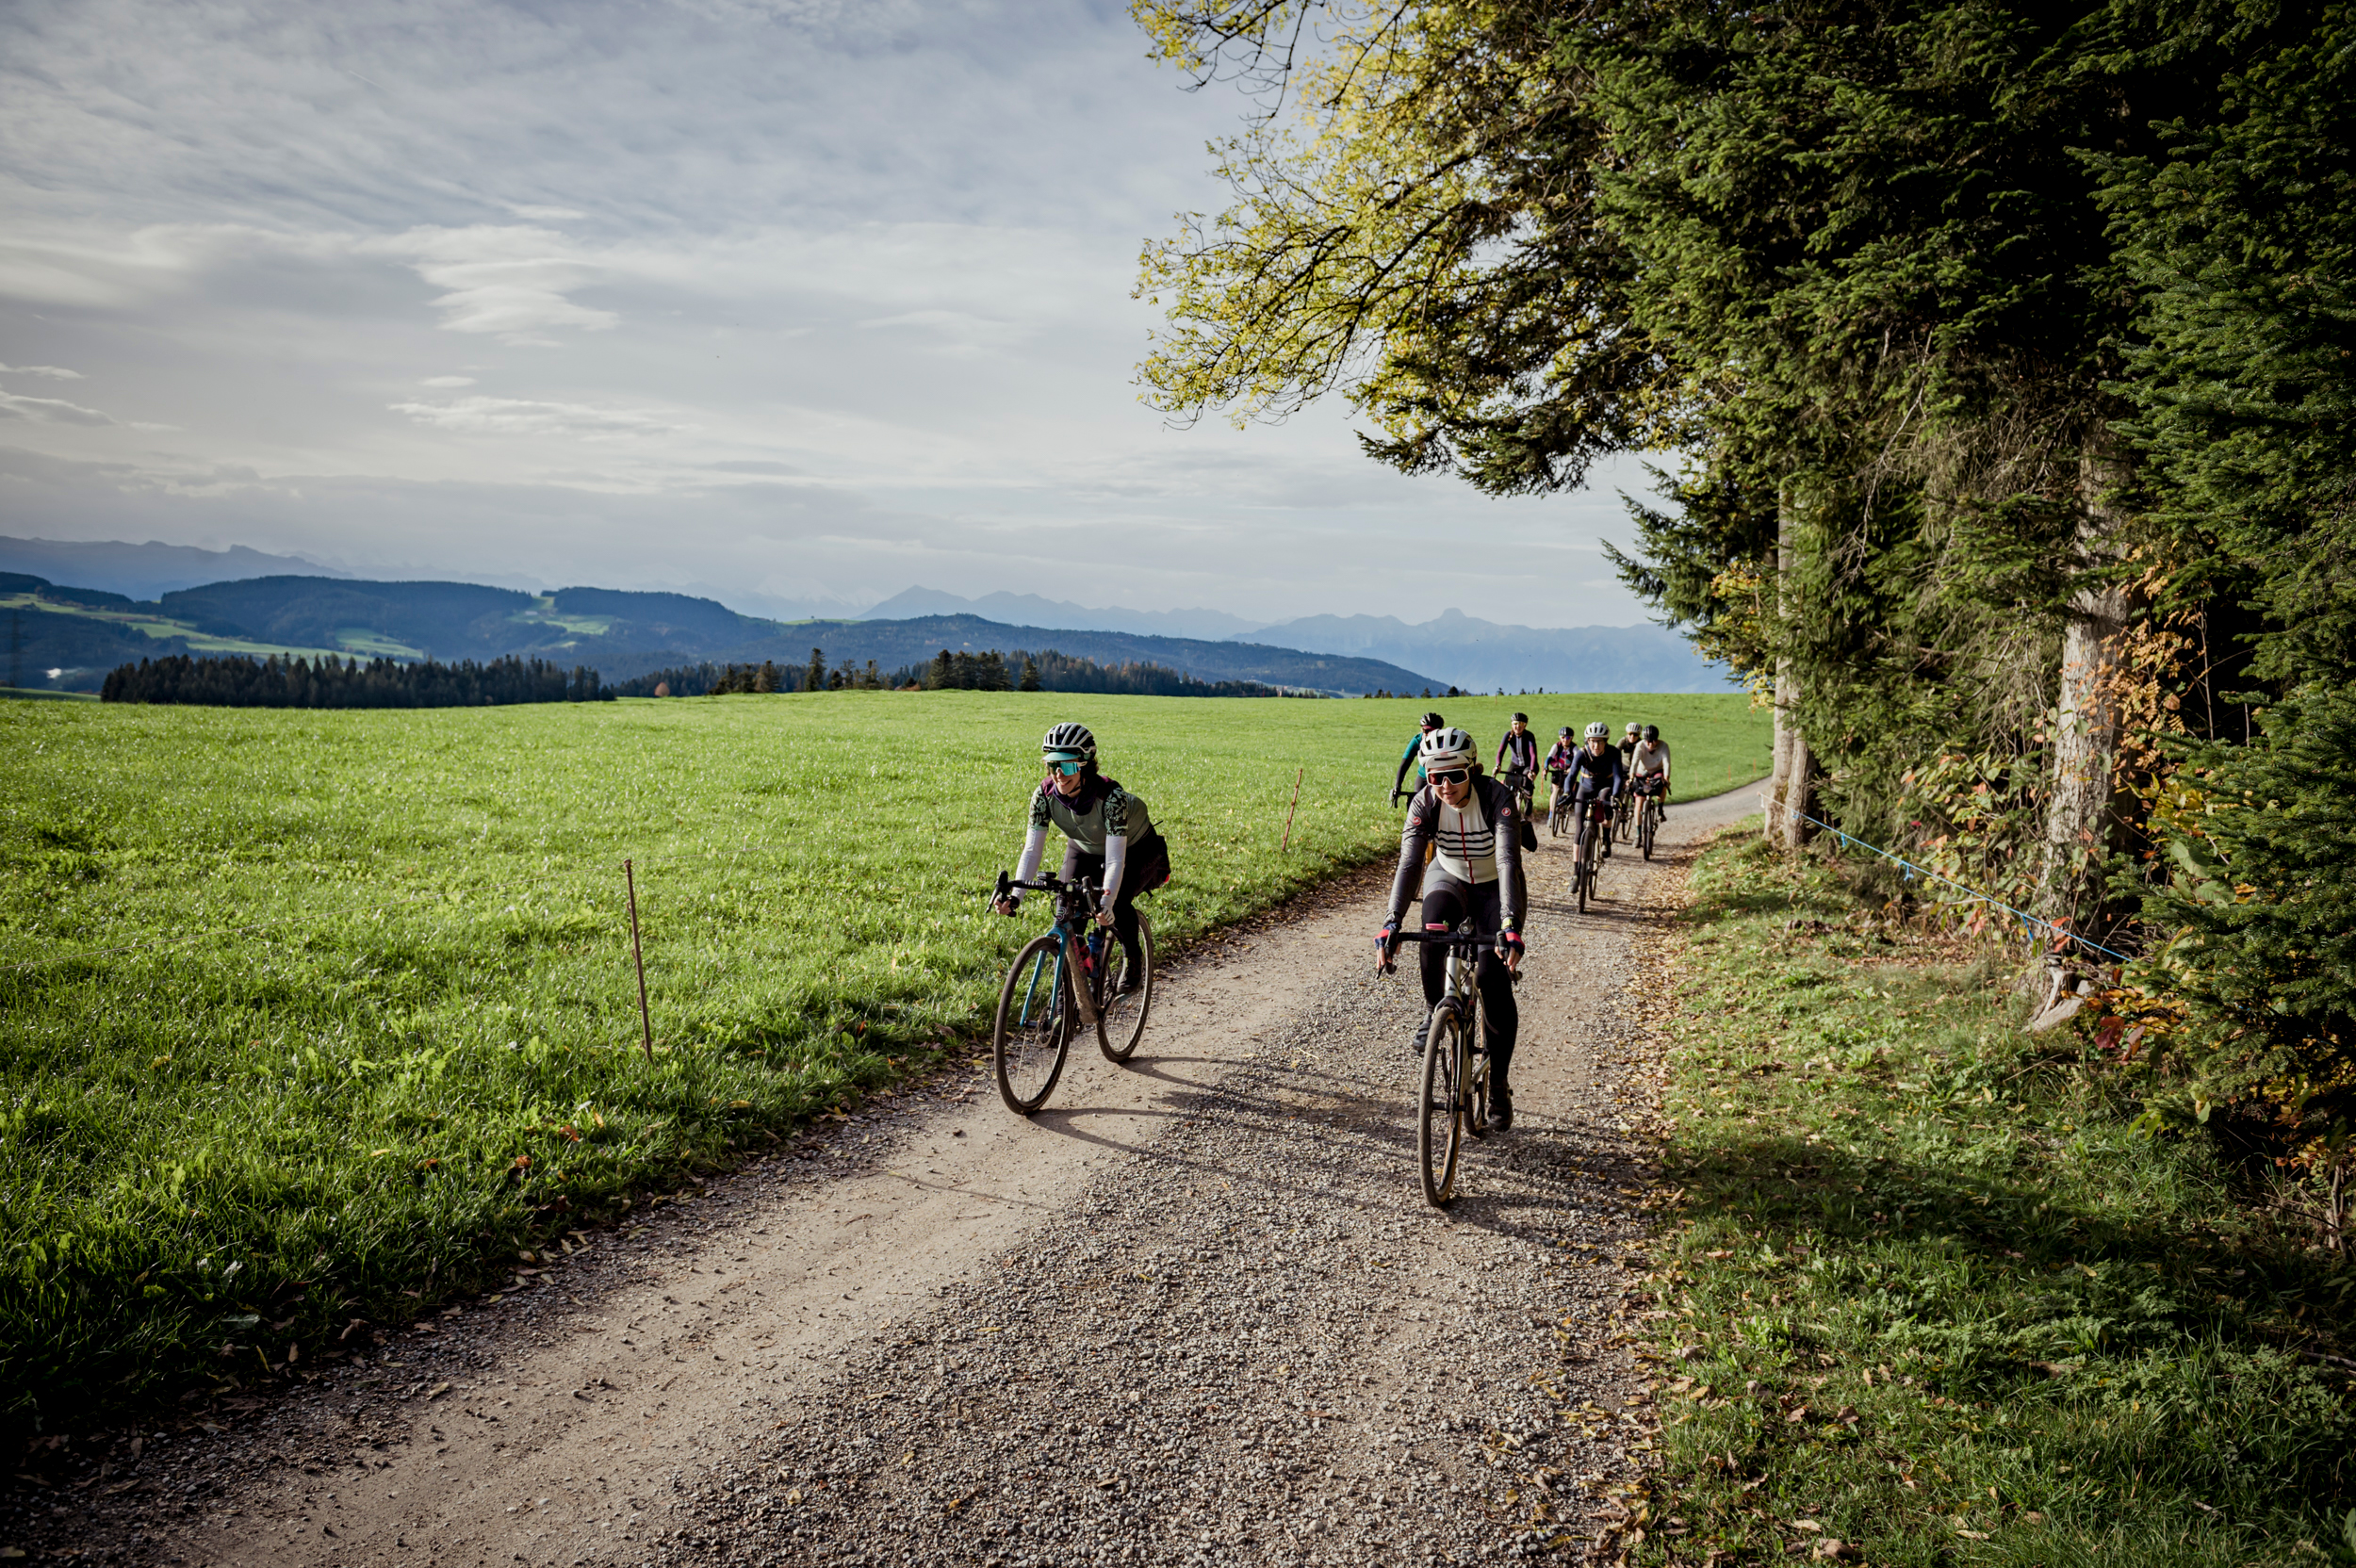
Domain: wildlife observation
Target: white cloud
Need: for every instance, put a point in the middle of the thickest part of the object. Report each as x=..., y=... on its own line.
x=49, y=410
x=522, y=417
x=510, y=281
x=447, y=380
x=54, y=372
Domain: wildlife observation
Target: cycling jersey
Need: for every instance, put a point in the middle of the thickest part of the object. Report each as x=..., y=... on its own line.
x=1473, y=845
x=1559, y=760
x=1522, y=750
x=1651, y=757
x=1592, y=775
x=1102, y=820
x=1406, y=760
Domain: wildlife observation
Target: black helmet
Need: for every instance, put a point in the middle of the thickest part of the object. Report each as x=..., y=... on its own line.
x=1521, y=718
x=1072, y=741
x=1652, y=733
x=1566, y=732
x=1430, y=720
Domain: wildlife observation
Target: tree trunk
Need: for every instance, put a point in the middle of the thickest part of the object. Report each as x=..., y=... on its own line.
x=1790, y=784
x=2079, y=818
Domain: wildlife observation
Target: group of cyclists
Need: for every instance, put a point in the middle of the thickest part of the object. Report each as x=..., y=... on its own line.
x=1460, y=852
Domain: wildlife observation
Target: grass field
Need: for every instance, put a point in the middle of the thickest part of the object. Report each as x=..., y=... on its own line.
x=302, y=1012
x=1935, y=1299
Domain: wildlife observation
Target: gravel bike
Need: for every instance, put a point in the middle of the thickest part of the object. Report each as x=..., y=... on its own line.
x=1522, y=785
x=1455, y=1082
x=1624, y=817
x=1649, y=792
x=1072, y=977
x=1558, y=811
x=1594, y=833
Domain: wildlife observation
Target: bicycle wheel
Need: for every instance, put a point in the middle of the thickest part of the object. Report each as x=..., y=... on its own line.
x=1440, y=1120
x=1120, y=1022
x=1554, y=817
x=1034, y=1026
x=1649, y=826
x=1582, y=870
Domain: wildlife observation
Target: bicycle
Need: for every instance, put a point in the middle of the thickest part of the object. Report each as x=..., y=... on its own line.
x=1039, y=1007
x=1455, y=1080
x=1648, y=814
x=1558, y=810
x=1585, y=861
x=1523, y=786
x=1623, y=817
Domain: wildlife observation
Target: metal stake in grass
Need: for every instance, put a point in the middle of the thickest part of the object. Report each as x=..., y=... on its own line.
x=1287, y=845
x=638, y=957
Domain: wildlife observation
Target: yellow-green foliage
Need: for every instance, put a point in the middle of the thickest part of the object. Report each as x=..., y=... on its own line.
x=345, y=998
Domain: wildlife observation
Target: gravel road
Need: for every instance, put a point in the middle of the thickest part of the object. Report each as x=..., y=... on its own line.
x=1195, y=1311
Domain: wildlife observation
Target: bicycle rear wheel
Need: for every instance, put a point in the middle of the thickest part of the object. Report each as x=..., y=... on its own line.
x=1440, y=1118
x=1033, y=1031
x=1120, y=1022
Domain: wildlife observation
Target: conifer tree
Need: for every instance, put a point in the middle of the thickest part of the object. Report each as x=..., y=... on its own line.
x=816, y=680
x=1030, y=674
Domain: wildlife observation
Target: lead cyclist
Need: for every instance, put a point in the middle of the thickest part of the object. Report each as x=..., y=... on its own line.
x=1469, y=822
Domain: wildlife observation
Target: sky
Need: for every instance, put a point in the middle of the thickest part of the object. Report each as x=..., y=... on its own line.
x=796, y=303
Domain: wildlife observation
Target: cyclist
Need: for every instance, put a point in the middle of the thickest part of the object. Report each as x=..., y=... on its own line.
x=1517, y=748
x=1650, y=760
x=1107, y=834
x=1597, y=771
x=1628, y=742
x=1559, y=760
x=1424, y=726
x=1469, y=825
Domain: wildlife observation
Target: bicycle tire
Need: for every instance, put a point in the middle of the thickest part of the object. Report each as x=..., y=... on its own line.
x=1582, y=870
x=1120, y=1021
x=1440, y=1118
x=1032, y=1033
x=1646, y=830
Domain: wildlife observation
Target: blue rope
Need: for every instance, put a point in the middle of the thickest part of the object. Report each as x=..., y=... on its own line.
x=2027, y=920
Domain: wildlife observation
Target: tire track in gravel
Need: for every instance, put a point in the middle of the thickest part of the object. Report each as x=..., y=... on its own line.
x=1195, y=1310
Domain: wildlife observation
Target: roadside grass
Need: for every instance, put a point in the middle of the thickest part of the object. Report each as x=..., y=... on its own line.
x=309, y=1017
x=1929, y=1297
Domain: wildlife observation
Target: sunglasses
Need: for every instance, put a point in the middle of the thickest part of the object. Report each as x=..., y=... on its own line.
x=1450, y=776
x=1067, y=767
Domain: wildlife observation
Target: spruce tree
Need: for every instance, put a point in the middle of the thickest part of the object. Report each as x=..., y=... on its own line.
x=1030, y=674
x=816, y=680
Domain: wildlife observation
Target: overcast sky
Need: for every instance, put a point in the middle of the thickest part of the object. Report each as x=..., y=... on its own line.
x=788, y=300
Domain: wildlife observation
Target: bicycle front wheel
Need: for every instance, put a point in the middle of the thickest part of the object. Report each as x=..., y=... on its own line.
x=1583, y=869
x=1034, y=1028
x=1120, y=1022
x=1440, y=1121
x=1651, y=825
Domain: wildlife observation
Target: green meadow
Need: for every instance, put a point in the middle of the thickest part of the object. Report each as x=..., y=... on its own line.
x=301, y=1012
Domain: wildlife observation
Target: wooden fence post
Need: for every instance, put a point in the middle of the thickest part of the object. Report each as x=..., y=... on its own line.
x=638, y=957
x=1286, y=846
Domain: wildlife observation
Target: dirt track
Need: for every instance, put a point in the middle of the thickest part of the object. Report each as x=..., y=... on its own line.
x=1195, y=1310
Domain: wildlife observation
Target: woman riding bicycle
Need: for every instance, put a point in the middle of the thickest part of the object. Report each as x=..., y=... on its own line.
x=1596, y=771
x=1559, y=760
x=1107, y=834
x=1469, y=823
x=1648, y=766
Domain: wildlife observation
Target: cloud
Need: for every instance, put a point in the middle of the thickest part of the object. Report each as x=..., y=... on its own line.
x=49, y=410
x=447, y=380
x=505, y=281
x=523, y=417
x=53, y=371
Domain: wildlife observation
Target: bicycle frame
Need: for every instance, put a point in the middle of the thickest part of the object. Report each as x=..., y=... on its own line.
x=1075, y=902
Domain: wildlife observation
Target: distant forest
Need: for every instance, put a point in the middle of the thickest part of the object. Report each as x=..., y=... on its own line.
x=243, y=682
x=992, y=671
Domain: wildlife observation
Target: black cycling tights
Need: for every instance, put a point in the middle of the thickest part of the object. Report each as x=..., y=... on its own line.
x=1500, y=1020
x=1138, y=874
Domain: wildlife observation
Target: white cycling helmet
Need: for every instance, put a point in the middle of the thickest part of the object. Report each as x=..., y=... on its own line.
x=1599, y=731
x=1632, y=726
x=1447, y=748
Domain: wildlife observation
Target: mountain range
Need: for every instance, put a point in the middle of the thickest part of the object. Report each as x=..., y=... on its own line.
x=209, y=593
